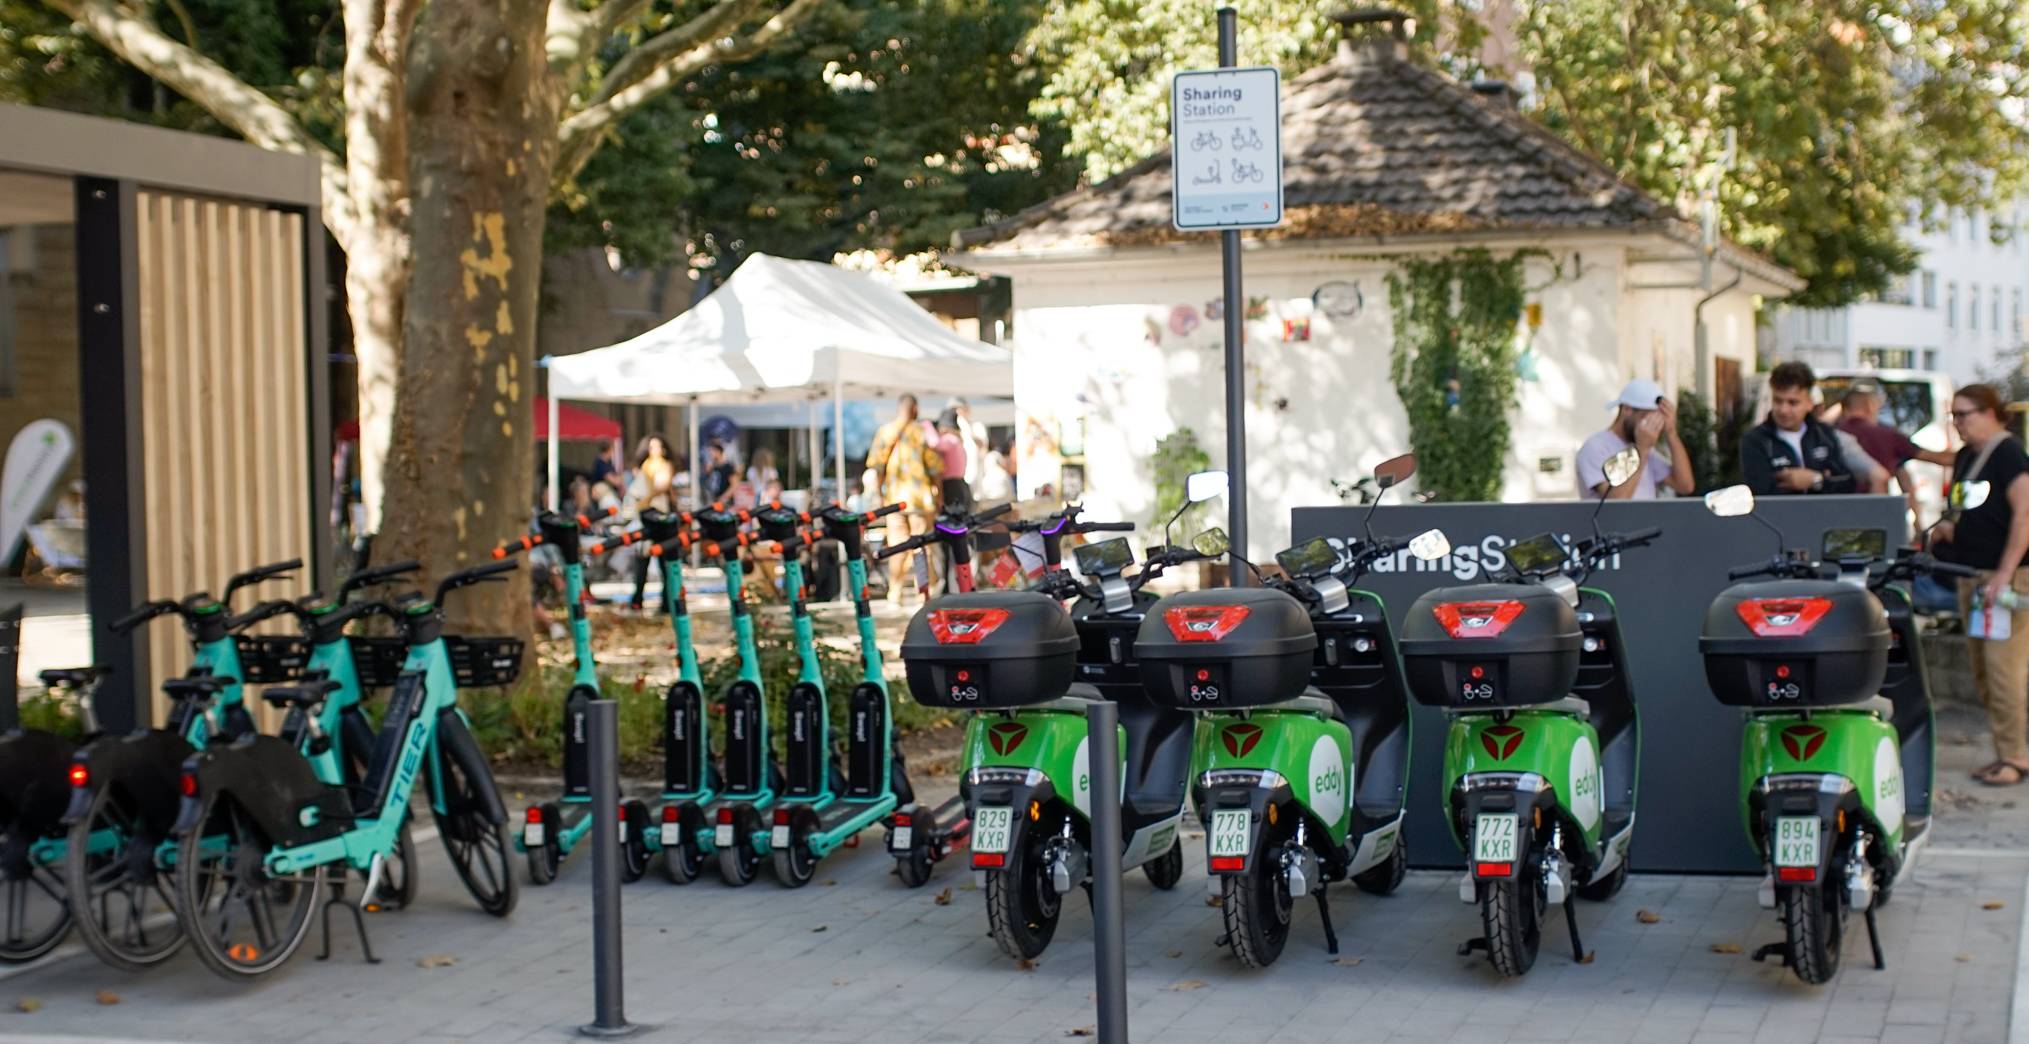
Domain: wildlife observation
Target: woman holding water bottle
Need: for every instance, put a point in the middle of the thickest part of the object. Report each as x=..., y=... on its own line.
x=1993, y=538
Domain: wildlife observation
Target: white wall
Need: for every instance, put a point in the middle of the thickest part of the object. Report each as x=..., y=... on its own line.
x=1093, y=341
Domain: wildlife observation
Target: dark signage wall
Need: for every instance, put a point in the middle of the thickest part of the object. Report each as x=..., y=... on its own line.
x=1687, y=816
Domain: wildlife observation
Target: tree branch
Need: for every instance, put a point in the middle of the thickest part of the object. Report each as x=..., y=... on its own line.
x=705, y=31
x=136, y=40
x=608, y=17
x=584, y=131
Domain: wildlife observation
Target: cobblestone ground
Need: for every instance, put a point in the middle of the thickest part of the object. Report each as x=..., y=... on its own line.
x=856, y=957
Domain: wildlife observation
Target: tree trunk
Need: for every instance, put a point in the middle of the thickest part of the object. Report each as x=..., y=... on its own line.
x=482, y=134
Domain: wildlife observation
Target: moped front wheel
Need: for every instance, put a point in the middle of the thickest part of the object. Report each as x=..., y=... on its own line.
x=242, y=920
x=1165, y=870
x=1511, y=913
x=1384, y=877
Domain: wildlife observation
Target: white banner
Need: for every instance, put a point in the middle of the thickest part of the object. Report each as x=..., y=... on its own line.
x=35, y=460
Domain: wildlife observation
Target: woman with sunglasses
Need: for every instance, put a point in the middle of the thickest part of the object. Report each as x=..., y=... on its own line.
x=1993, y=538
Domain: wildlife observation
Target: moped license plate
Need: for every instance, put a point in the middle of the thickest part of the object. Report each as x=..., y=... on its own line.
x=723, y=835
x=672, y=834
x=1493, y=837
x=1796, y=841
x=1229, y=833
x=991, y=829
x=532, y=835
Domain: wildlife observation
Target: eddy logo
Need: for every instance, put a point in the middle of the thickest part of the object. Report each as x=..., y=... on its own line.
x=1240, y=739
x=1802, y=741
x=1501, y=741
x=1006, y=736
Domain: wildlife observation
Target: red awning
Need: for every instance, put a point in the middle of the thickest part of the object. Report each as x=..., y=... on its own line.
x=574, y=423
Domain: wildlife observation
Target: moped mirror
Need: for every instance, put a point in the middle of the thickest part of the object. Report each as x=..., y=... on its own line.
x=1966, y=496
x=1731, y=502
x=1395, y=470
x=1205, y=485
x=1430, y=545
x=1622, y=466
x=1211, y=543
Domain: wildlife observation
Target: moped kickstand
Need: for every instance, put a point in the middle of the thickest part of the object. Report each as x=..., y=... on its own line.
x=1324, y=915
x=1779, y=950
x=1874, y=941
x=1571, y=921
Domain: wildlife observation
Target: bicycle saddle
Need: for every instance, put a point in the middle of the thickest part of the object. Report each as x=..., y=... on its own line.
x=308, y=695
x=74, y=677
x=199, y=687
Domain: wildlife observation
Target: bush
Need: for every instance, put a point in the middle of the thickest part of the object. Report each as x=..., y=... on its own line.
x=49, y=712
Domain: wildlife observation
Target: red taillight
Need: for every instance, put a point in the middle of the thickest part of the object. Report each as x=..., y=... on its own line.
x=965, y=626
x=620, y=813
x=1203, y=623
x=1228, y=864
x=81, y=776
x=781, y=817
x=671, y=814
x=1801, y=874
x=988, y=860
x=535, y=815
x=1494, y=870
x=187, y=784
x=1477, y=619
x=1782, y=617
x=725, y=817
x=903, y=819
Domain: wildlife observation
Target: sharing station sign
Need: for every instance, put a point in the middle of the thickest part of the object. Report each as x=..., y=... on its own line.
x=1226, y=148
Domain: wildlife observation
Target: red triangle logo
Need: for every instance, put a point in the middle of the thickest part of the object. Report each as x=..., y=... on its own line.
x=1240, y=739
x=1803, y=741
x=1006, y=736
x=1501, y=741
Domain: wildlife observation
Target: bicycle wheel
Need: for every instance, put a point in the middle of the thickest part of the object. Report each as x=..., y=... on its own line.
x=35, y=912
x=480, y=850
x=242, y=921
x=126, y=904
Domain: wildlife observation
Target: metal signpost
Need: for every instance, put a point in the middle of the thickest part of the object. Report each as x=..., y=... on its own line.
x=1226, y=169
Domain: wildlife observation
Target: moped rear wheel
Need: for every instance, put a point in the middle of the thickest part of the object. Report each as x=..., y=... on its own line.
x=242, y=921
x=1814, y=920
x=1021, y=907
x=1511, y=913
x=1255, y=903
x=124, y=903
x=35, y=911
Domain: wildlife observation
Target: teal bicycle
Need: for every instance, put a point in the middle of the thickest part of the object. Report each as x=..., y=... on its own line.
x=109, y=847
x=260, y=830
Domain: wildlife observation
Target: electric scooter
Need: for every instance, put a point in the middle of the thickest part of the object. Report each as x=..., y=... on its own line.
x=552, y=829
x=1837, y=755
x=1301, y=762
x=1030, y=672
x=724, y=824
x=690, y=780
x=822, y=807
x=1541, y=754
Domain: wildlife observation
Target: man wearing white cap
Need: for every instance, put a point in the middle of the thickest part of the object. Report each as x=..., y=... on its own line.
x=1642, y=419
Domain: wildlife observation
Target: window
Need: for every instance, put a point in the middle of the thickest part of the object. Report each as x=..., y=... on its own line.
x=1930, y=358
x=1973, y=307
x=1951, y=224
x=1930, y=289
x=1888, y=358
x=1951, y=306
x=1899, y=291
x=1997, y=309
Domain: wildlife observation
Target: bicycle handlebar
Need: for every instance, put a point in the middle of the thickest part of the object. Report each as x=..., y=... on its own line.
x=146, y=612
x=258, y=574
x=377, y=575
x=491, y=572
x=266, y=610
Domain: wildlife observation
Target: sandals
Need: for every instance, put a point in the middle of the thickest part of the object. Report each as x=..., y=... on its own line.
x=2004, y=774
x=1986, y=769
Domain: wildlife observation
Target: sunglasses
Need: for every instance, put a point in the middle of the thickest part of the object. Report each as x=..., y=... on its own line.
x=1959, y=415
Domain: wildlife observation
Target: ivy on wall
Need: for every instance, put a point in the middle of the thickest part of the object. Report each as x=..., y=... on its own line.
x=1453, y=366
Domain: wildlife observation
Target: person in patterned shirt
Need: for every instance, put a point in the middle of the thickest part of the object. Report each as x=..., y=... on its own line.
x=904, y=466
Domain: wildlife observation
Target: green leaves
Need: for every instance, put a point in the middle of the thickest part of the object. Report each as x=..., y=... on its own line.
x=1453, y=366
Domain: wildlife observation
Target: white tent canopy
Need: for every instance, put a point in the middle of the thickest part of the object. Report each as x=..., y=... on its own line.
x=788, y=331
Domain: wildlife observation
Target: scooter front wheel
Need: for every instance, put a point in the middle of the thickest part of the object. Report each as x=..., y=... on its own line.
x=1511, y=912
x=1384, y=877
x=1815, y=924
x=1165, y=870
x=1021, y=907
x=738, y=861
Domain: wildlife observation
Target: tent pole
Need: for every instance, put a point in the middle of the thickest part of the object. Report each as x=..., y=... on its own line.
x=838, y=435
x=815, y=449
x=555, y=494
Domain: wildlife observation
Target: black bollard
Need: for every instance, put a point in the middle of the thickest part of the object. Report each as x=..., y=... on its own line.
x=609, y=1012
x=1109, y=928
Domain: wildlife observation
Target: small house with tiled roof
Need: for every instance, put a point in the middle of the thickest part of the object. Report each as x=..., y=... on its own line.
x=1117, y=336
